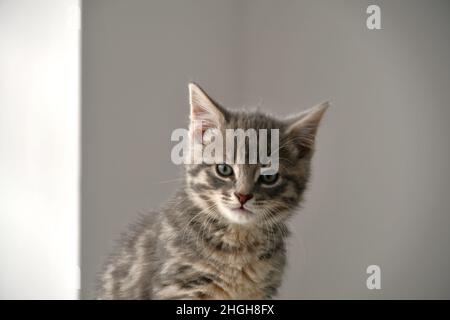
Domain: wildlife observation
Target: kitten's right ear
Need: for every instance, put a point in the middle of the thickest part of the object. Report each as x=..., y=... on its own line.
x=204, y=111
x=302, y=128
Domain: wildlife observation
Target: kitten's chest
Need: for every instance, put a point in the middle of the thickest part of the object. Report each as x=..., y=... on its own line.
x=249, y=281
x=246, y=273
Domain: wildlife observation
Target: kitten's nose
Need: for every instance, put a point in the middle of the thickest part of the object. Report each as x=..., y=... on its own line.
x=243, y=198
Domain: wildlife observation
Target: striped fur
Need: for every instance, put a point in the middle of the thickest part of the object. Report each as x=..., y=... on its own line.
x=191, y=248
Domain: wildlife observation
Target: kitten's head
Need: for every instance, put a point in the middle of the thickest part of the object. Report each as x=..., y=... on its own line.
x=241, y=193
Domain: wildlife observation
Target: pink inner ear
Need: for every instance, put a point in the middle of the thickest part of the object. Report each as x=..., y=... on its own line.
x=203, y=111
x=199, y=114
x=203, y=124
x=200, y=124
x=197, y=110
x=206, y=124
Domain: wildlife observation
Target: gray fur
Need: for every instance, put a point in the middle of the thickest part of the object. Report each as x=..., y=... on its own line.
x=189, y=249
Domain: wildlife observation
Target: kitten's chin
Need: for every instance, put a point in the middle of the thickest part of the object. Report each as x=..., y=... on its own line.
x=237, y=216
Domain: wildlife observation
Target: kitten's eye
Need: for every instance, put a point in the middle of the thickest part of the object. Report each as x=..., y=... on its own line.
x=268, y=179
x=224, y=170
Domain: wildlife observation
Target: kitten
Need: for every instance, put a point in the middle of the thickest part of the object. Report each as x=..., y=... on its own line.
x=222, y=235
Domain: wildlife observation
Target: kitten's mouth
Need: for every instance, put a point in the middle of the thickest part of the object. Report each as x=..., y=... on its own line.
x=238, y=214
x=242, y=210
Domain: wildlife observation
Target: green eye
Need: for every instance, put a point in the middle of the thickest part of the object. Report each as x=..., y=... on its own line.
x=224, y=170
x=268, y=179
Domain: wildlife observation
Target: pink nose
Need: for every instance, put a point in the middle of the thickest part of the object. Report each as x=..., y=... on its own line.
x=243, y=198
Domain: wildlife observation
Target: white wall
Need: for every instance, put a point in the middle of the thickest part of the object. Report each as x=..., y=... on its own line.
x=39, y=149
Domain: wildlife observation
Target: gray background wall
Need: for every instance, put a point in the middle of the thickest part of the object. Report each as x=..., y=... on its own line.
x=380, y=188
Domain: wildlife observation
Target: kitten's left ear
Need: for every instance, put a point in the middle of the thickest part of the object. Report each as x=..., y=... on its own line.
x=204, y=110
x=302, y=128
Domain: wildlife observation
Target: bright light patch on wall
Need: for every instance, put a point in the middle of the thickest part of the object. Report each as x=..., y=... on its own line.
x=39, y=149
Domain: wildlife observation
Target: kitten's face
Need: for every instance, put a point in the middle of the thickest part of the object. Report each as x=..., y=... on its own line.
x=241, y=193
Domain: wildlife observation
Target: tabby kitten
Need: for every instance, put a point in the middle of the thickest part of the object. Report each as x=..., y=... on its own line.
x=222, y=235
